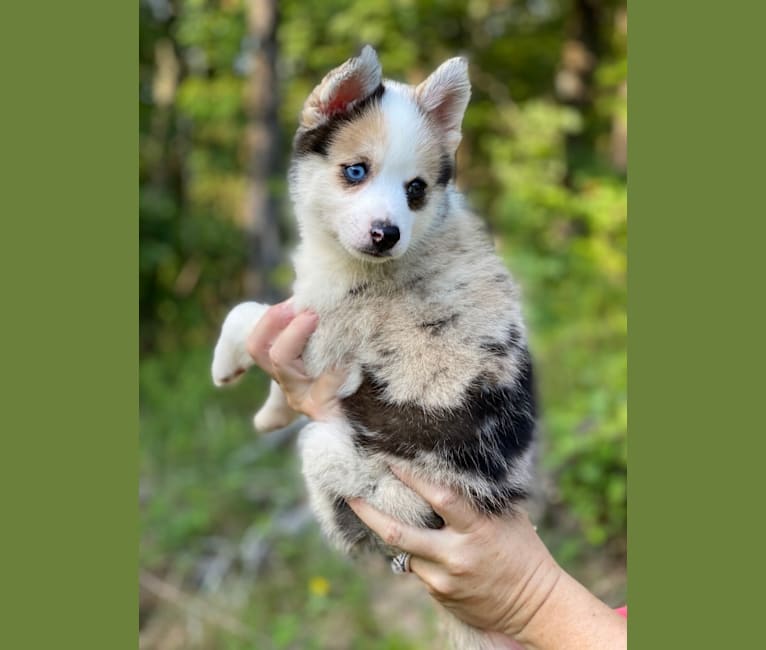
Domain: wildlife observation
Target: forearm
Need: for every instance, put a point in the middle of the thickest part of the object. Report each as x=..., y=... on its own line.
x=568, y=617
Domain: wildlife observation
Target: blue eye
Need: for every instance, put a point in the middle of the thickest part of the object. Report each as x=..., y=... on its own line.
x=355, y=173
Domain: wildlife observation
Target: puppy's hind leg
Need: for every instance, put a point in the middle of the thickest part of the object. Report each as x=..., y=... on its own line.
x=330, y=462
x=275, y=412
x=334, y=471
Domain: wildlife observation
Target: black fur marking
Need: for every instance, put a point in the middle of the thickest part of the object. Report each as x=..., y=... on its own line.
x=418, y=284
x=413, y=282
x=439, y=372
x=501, y=499
x=500, y=278
x=493, y=426
x=351, y=527
x=446, y=170
x=514, y=336
x=435, y=327
x=359, y=289
x=434, y=521
x=387, y=352
x=318, y=140
x=417, y=203
x=502, y=348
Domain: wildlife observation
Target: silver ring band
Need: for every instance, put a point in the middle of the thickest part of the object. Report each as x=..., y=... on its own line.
x=401, y=563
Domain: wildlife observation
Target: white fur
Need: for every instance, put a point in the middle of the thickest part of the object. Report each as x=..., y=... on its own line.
x=275, y=412
x=231, y=358
x=444, y=96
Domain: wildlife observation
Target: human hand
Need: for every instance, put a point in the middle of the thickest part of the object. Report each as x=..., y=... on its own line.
x=276, y=345
x=496, y=574
x=485, y=570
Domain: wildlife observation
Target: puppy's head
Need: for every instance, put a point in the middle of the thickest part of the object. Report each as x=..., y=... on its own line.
x=373, y=158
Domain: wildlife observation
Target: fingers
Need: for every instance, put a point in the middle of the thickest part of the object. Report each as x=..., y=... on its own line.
x=447, y=503
x=319, y=399
x=434, y=576
x=288, y=346
x=329, y=383
x=276, y=345
x=266, y=331
x=286, y=361
x=417, y=541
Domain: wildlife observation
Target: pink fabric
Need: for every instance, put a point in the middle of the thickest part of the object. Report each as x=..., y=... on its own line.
x=622, y=611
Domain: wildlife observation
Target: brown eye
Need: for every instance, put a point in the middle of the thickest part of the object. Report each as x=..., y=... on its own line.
x=416, y=189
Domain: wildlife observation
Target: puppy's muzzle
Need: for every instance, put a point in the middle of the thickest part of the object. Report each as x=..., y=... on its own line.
x=383, y=237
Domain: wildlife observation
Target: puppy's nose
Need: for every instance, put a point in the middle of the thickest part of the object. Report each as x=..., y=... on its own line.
x=383, y=236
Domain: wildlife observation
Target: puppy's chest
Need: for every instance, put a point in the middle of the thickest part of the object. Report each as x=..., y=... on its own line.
x=419, y=349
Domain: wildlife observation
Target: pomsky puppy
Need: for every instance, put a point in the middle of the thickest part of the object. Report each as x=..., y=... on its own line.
x=411, y=299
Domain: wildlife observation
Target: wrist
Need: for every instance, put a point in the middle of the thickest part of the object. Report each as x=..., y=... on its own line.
x=531, y=603
x=567, y=616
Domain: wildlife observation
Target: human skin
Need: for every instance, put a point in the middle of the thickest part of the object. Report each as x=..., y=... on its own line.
x=494, y=573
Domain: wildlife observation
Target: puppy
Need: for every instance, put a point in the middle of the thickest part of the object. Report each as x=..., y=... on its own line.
x=411, y=299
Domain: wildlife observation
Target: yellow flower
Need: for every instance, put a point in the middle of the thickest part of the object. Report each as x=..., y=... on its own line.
x=319, y=586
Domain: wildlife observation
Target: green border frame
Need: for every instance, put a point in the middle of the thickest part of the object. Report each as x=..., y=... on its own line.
x=695, y=235
x=69, y=260
x=68, y=465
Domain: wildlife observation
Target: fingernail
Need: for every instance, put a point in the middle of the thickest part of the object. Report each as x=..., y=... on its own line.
x=288, y=306
x=285, y=312
x=311, y=315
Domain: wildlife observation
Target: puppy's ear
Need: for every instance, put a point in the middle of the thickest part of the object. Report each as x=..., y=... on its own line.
x=444, y=97
x=343, y=88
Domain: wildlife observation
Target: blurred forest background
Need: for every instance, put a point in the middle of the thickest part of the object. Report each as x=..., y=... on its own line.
x=230, y=555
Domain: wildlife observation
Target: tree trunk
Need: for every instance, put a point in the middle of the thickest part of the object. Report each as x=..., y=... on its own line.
x=574, y=79
x=619, y=137
x=261, y=215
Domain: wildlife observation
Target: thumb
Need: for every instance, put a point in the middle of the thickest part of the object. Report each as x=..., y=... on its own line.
x=323, y=394
x=331, y=381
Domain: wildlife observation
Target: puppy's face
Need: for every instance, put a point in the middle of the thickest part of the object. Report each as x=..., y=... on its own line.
x=373, y=159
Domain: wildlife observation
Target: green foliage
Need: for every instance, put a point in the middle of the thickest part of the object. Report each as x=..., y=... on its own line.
x=541, y=171
x=567, y=244
x=190, y=438
x=189, y=269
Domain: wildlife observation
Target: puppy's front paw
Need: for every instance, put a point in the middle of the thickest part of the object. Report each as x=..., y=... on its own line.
x=231, y=358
